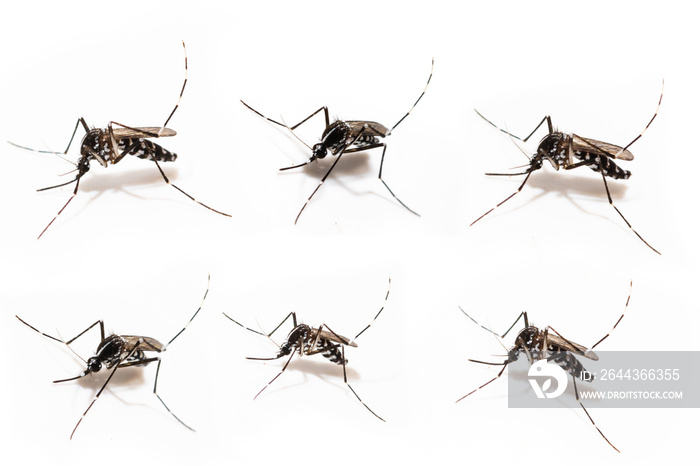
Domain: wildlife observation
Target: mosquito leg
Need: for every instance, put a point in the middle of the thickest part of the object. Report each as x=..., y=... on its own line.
x=155, y=392
x=345, y=379
x=375, y=317
x=432, y=65
x=607, y=191
x=243, y=326
x=275, y=378
x=381, y=166
x=500, y=373
x=325, y=112
x=114, y=145
x=165, y=178
x=650, y=121
x=589, y=416
x=192, y=318
x=102, y=332
x=114, y=371
x=319, y=185
x=75, y=191
x=81, y=120
x=522, y=314
x=547, y=118
x=618, y=320
x=182, y=91
x=505, y=200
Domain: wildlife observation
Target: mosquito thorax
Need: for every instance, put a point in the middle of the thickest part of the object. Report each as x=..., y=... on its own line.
x=553, y=148
x=528, y=336
x=300, y=332
x=91, y=141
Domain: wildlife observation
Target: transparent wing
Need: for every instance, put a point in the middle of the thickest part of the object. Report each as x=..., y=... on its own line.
x=373, y=128
x=143, y=132
x=336, y=338
x=601, y=148
x=567, y=345
x=147, y=343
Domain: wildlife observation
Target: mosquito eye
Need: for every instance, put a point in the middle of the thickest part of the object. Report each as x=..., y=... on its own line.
x=94, y=365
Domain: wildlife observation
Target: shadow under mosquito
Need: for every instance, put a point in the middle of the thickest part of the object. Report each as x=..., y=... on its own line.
x=352, y=164
x=356, y=165
x=117, y=182
x=129, y=378
x=99, y=184
x=566, y=186
x=566, y=400
x=331, y=374
x=125, y=377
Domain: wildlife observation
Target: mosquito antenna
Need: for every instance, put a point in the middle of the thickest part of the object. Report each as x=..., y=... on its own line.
x=181, y=92
x=432, y=65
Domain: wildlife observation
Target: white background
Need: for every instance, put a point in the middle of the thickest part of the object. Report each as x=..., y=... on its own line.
x=133, y=252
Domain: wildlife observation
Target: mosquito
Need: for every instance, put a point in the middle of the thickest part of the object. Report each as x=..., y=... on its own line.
x=569, y=151
x=108, y=146
x=120, y=351
x=307, y=341
x=538, y=344
x=344, y=137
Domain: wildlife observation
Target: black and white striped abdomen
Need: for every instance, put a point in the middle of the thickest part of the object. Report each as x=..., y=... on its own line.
x=605, y=164
x=145, y=149
x=366, y=140
x=331, y=351
x=567, y=361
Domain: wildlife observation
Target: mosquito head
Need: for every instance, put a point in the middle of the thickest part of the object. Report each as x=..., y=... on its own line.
x=319, y=151
x=83, y=166
x=94, y=364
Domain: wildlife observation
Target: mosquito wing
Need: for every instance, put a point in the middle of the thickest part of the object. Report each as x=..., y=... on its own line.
x=143, y=132
x=370, y=128
x=568, y=345
x=600, y=148
x=330, y=336
x=146, y=343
